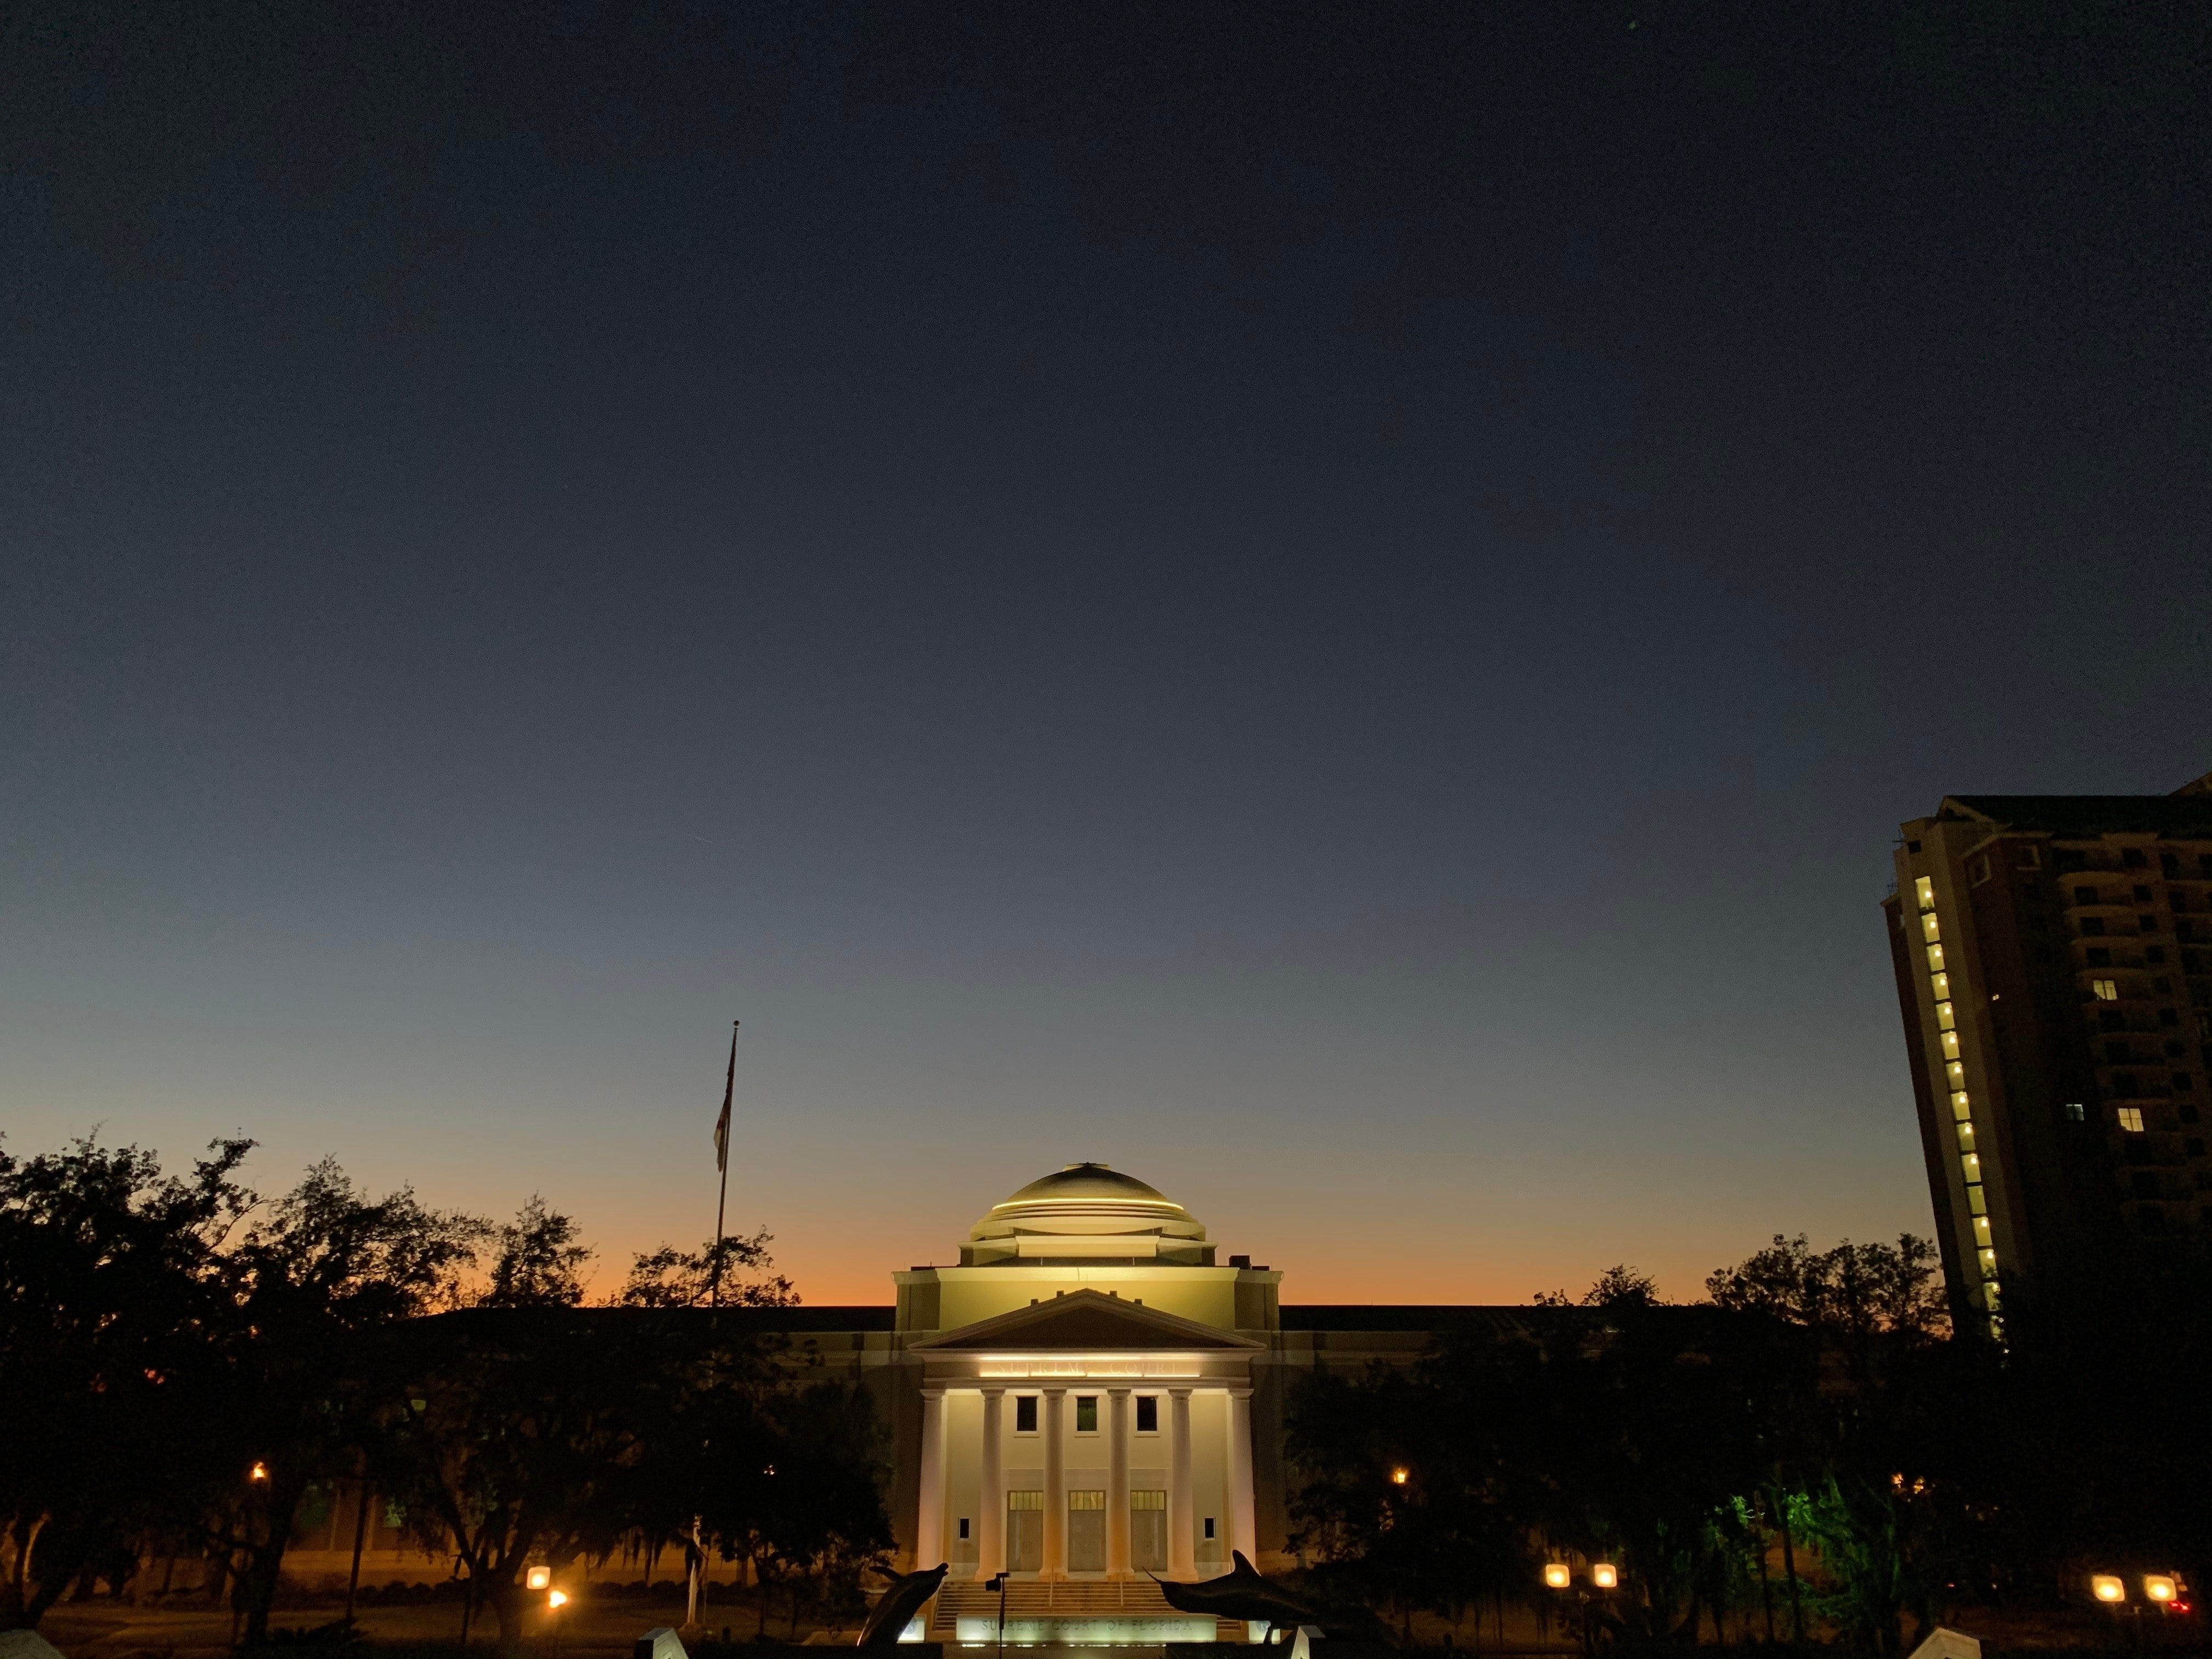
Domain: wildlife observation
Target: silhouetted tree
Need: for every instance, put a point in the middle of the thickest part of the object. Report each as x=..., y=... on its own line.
x=318, y=1284
x=540, y=1260
x=112, y=1302
x=670, y=1277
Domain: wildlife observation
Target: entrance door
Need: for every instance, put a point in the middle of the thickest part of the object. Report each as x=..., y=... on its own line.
x=1148, y=1529
x=1024, y=1532
x=1086, y=1532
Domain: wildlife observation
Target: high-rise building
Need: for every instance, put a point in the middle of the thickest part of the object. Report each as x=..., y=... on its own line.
x=2054, y=966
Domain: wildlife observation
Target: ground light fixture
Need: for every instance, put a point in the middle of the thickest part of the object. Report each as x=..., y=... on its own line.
x=1400, y=1476
x=538, y=1579
x=2108, y=1587
x=2158, y=1587
x=1558, y=1575
x=259, y=1472
x=558, y=1599
x=1605, y=1575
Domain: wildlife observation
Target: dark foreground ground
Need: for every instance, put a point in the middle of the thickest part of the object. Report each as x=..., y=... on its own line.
x=606, y=1627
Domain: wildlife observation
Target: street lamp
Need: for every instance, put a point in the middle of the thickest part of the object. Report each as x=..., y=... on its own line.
x=2158, y=1587
x=259, y=1472
x=2108, y=1587
x=538, y=1579
x=1400, y=1476
x=557, y=1599
x=1558, y=1575
x=999, y=1583
x=1605, y=1575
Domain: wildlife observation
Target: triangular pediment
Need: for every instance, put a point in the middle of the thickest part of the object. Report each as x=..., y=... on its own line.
x=1088, y=1319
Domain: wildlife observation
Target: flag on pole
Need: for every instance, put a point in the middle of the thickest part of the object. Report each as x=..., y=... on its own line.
x=722, y=1123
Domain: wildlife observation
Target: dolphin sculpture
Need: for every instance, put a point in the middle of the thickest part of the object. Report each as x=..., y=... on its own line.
x=907, y=1595
x=1242, y=1594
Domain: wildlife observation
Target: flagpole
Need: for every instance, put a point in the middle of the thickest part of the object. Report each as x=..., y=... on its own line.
x=722, y=1158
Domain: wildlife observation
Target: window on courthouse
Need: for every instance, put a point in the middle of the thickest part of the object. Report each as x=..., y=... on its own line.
x=1025, y=1413
x=1148, y=1414
x=1086, y=1413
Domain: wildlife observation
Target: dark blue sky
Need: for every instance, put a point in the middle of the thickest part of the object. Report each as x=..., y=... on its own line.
x=1336, y=606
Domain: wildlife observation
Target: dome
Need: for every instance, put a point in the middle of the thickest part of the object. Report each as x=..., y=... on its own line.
x=1087, y=1213
x=1088, y=1181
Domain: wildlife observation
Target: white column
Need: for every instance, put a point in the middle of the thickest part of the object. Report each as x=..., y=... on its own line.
x=1182, y=1521
x=1243, y=1533
x=991, y=1524
x=1117, y=1482
x=929, y=1501
x=1055, y=1485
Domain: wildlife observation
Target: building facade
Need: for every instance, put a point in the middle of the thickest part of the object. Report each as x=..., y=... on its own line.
x=2053, y=957
x=1088, y=1397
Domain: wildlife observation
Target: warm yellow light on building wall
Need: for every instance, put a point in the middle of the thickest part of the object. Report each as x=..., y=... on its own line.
x=1558, y=1575
x=2107, y=1588
x=1925, y=889
x=1929, y=930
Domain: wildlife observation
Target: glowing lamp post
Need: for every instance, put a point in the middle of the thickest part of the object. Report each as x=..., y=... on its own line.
x=557, y=1599
x=1605, y=1575
x=2160, y=1588
x=1558, y=1575
x=2108, y=1587
x=1400, y=1476
x=538, y=1579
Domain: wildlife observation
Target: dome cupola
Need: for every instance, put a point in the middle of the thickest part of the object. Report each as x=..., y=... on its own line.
x=1084, y=1214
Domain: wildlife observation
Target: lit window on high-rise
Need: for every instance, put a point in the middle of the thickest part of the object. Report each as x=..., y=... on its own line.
x=2132, y=1119
x=1935, y=959
x=1945, y=1020
x=1929, y=930
x=1925, y=889
x=2107, y=990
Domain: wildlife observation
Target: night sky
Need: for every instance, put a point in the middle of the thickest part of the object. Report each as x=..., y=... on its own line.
x=1336, y=607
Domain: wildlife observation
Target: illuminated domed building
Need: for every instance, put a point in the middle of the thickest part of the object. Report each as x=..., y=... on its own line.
x=1090, y=1397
